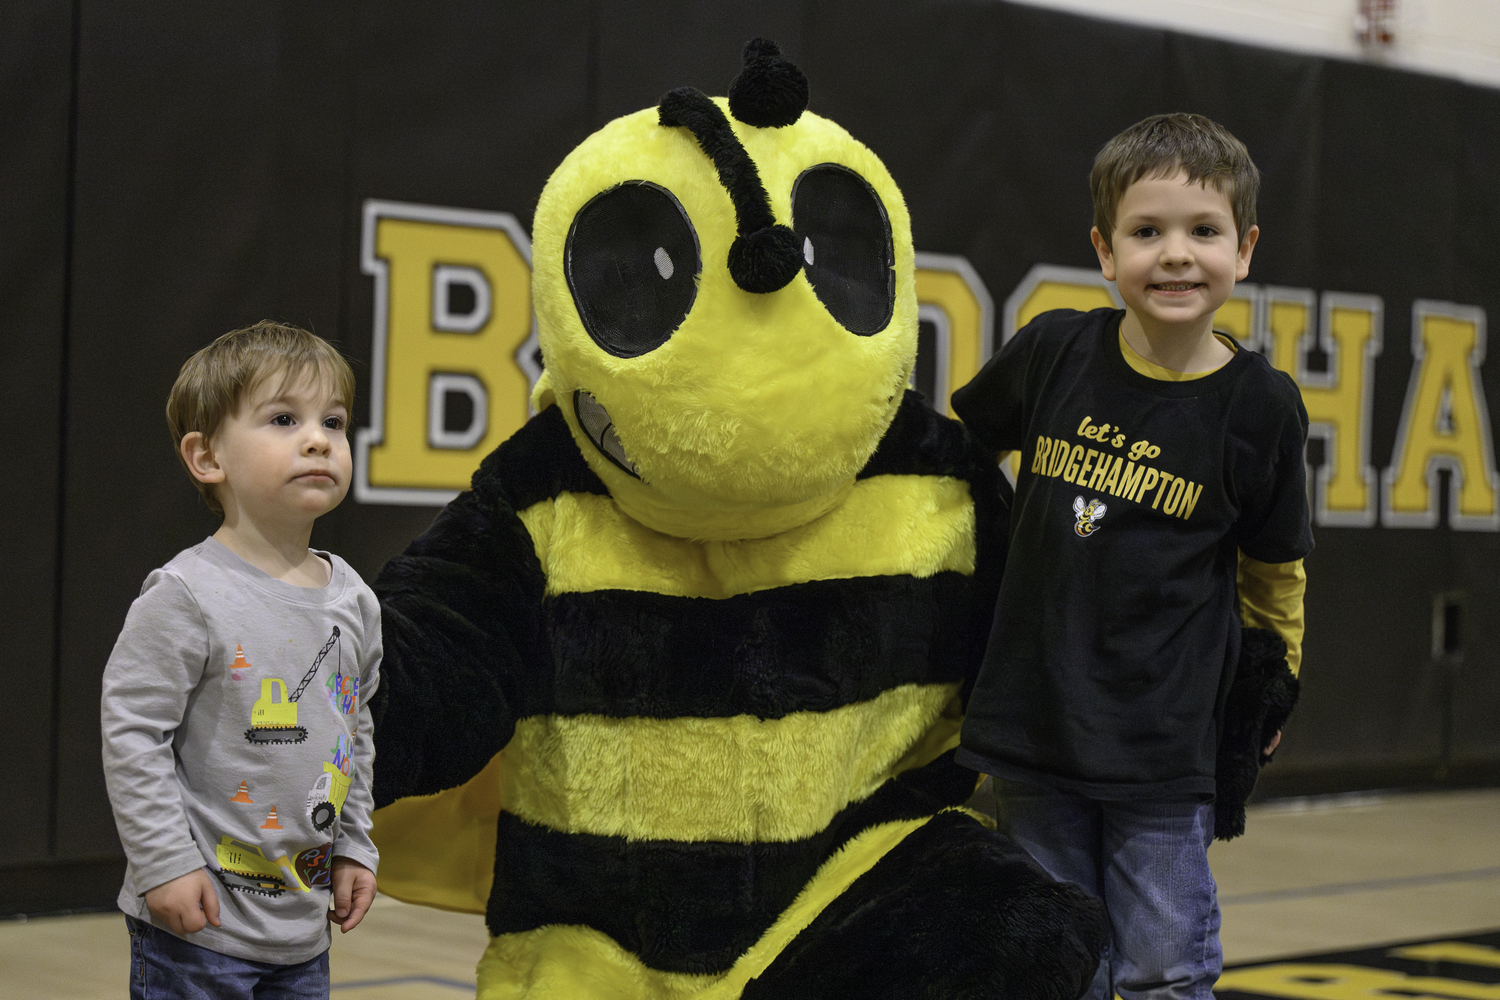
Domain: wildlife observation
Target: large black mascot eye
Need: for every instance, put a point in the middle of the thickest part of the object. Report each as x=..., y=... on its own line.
x=632, y=264
x=846, y=245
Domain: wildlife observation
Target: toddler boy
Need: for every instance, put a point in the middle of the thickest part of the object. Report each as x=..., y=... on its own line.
x=236, y=720
x=1157, y=458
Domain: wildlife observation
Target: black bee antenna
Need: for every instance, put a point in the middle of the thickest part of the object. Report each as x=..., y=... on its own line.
x=765, y=256
x=769, y=92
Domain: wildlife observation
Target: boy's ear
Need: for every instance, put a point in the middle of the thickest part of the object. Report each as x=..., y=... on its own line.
x=198, y=456
x=1106, y=255
x=1247, y=247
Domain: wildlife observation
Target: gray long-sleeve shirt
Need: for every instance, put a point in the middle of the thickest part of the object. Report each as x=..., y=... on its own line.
x=237, y=736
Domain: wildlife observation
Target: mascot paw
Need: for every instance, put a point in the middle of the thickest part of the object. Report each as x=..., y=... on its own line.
x=953, y=911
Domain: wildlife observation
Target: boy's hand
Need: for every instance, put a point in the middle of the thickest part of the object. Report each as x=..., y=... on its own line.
x=186, y=903
x=353, y=892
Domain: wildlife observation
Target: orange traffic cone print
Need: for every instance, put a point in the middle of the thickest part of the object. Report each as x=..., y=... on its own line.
x=271, y=822
x=240, y=664
x=243, y=795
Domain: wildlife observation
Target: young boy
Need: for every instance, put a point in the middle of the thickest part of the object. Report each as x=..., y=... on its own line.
x=236, y=725
x=1156, y=457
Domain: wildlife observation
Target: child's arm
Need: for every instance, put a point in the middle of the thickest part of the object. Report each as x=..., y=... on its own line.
x=353, y=892
x=355, y=856
x=1275, y=527
x=994, y=404
x=1271, y=597
x=157, y=662
x=187, y=903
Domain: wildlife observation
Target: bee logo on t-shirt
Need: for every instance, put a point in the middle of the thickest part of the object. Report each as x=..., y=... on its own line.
x=1088, y=515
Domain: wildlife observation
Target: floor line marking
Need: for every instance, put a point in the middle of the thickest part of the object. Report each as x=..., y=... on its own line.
x=359, y=984
x=1372, y=885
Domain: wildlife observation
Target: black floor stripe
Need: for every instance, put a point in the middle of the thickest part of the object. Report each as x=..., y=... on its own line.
x=1455, y=967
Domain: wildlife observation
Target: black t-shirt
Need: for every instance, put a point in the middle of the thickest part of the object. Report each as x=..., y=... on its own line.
x=1118, y=615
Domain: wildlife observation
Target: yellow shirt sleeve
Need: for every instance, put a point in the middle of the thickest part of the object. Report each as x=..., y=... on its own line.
x=1271, y=597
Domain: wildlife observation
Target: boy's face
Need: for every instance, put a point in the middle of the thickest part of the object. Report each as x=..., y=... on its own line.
x=283, y=452
x=1176, y=256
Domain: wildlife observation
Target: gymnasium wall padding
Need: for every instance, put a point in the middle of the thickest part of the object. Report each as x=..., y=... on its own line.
x=177, y=171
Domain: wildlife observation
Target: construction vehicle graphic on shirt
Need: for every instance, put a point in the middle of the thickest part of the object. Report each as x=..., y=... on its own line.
x=245, y=868
x=273, y=718
x=327, y=796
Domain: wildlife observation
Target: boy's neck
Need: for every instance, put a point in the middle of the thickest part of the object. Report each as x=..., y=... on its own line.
x=281, y=554
x=1176, y=349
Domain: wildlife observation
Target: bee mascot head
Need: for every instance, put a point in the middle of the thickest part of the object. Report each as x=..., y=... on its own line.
x=725, y=304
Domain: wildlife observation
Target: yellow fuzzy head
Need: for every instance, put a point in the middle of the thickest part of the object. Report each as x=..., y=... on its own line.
x=710, y=410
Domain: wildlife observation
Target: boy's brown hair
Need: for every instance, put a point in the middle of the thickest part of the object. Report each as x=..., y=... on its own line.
x=1157, y=147
x=213, y=381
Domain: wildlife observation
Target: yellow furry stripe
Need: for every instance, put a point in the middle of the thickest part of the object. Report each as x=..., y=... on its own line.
x=739, y=780
x=571, y=963
x=888, y=525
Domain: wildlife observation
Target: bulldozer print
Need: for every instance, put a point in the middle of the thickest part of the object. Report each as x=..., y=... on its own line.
x=244, y=868
x=273, y=718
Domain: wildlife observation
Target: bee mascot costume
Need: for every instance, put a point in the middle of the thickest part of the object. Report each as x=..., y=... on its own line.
x=671, y=693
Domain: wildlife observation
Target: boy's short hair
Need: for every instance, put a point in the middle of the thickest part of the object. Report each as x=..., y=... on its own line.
x=1157, y=147
x=212, y=382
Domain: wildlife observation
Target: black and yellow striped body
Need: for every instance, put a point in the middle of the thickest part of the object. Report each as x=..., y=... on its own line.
x=690, y=730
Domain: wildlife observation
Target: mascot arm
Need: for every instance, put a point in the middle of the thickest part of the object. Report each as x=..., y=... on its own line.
x=460, y=612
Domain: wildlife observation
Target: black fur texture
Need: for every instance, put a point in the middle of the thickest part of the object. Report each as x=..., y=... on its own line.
x=769, y=92
x=687, y=107
x=922, y=442
x=953, y=912
x=765, y=256
x=687, y=907
x=806, y=647
x=539, y=462
x=1259, y=703
x=766, y=260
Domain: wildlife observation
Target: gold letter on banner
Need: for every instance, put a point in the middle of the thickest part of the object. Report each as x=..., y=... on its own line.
x=1240, y=316
x=952, y=297
x=1444, y=425
x=1339, y=400
x=1048, y=286
x=453, y=322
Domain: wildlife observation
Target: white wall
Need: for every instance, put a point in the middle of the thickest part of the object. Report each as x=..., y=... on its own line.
x=1457, y=38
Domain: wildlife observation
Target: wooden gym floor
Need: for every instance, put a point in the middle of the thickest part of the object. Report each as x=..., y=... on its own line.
x=1315, y=876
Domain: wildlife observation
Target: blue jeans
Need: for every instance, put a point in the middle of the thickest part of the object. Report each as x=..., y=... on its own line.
x=165, y=967
x=1148, y=861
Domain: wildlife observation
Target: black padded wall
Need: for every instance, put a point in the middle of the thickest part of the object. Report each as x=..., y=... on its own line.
x=180, y=170
x=36, y=57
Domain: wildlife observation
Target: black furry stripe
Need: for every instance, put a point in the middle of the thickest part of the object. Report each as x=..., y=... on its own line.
x=538, y=462
x=923, y=442
x=686, y=907
x=811, y=646
x=954, y=910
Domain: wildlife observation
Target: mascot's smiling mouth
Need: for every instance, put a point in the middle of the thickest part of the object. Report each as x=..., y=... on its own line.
x=596, y=423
